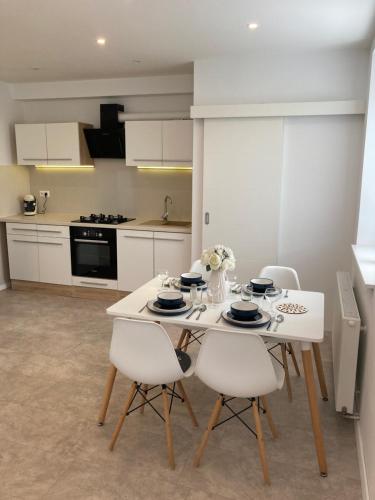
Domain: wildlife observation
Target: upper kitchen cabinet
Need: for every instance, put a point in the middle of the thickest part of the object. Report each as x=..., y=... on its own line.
x=159, y=143
x=178, y=141
x=52, y=144
x=144, y=144
x=31, y=143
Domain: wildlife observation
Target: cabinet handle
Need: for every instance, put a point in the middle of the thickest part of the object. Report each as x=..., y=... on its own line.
x=168, y=239
x=137, y=236
x=147, y=159
x=49, y=231
x=207, y=218
x=25, y=241
x=35, y=159
x=179, y=159
x=22, y=229
x=61, y=159
x=93, y=283
x=99, y=242
x=49, y=243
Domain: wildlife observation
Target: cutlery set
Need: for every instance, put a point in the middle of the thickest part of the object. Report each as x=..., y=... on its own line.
x=198, y=309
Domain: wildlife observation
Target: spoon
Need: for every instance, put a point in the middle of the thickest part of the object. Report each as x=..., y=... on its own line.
x=202, y=308
x=279, y=319
x=195, y=309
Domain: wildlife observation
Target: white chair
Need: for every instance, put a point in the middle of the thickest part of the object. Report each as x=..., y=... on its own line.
x=287, y=278
x=188, y=336
x=143, y=352
x=238, y=365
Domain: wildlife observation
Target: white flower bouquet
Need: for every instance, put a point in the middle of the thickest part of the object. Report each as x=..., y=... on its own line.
x=217, y=258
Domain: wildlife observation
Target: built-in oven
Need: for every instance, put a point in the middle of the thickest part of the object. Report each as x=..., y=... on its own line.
x=93, y=252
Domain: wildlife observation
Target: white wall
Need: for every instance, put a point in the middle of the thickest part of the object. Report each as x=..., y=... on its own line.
x=366, y=376
x=111, y=187
x=10, y=112
x=366, y=226
x=14, y=184
x=320, y=194
x=264, y=77
x=322, y=211
x=14, y=181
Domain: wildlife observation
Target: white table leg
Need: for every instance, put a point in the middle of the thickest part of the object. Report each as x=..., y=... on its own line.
x=314, y=410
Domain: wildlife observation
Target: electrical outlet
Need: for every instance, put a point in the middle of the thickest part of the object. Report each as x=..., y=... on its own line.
x=44, y=194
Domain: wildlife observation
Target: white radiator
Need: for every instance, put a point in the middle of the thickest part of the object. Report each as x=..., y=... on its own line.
x=345, y=341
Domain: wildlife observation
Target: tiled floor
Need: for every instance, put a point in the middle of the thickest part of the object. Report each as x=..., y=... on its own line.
x=53, y=363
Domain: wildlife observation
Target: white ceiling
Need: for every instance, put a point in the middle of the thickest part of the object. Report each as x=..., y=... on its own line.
x=58, y=36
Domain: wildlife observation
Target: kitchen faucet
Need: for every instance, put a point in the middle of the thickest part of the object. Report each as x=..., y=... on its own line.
x=166, y=214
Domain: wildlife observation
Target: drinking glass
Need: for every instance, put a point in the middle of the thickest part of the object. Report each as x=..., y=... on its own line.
x=163, y=276
x=271, y=296
x=212, y=291
x=245, y=295
x=231, y=280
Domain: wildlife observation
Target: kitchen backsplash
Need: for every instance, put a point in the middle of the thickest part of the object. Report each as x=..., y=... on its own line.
x=113, y=188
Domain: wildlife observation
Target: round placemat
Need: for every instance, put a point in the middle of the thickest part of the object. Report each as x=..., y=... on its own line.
x=292, y=308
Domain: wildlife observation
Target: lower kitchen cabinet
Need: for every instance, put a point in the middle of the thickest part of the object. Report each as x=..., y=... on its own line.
x=54, y=261
x=135, y=258
x=141, y=254
x=43, y=256
x=23, y=257
x=172, y=251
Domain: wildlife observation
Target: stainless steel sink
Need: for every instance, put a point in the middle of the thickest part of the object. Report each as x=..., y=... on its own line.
x=158, y=222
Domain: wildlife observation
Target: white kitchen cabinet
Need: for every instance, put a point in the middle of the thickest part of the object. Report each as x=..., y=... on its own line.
x=144, y=143
x=52, y=144
x=54, y=260
x=23, y=257
x=159, y=143
x=39, y=253
x=135, y=258
x=31, y=143
x=172, y=251
x=177, y=142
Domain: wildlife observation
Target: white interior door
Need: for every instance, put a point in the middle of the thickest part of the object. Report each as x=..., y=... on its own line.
x=241, y=189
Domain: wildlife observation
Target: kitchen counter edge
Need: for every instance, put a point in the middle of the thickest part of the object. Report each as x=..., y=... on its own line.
x=57, y=219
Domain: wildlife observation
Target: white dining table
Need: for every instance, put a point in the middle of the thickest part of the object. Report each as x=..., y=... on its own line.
x=306, y=328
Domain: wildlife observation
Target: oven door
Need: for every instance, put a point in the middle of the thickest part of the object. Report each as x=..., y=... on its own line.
x=94, y=259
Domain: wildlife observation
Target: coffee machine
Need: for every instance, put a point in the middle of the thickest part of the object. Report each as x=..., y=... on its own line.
x=29, y=205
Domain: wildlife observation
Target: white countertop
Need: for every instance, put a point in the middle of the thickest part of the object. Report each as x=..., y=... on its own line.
x=365, y=257
x=65, y=219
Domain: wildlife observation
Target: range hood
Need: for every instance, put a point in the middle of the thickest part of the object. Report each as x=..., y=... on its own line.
x=108, y=141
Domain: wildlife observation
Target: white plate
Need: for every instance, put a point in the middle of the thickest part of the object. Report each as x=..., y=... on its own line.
x=247, y=324
x=168, y=312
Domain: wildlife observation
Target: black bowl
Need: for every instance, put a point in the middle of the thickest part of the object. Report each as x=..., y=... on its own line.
x=260, y=285
x=171, y=300
x=244, y=310
x=190, y=278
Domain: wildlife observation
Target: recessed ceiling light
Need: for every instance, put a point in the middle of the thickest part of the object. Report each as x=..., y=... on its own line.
x=101, y=41
x=253, y=26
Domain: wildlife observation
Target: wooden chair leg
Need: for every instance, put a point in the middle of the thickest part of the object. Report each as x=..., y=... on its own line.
x=168, y=429
x=294, y=359
x=107, y=394
x=271, y=423
x=145, y=388
x=286, y=370
x=182, y=338
x=187, y=340
x=121, y=420
x=211, y=423
x=187, y=402
x=261, y=447
x=320, y=371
